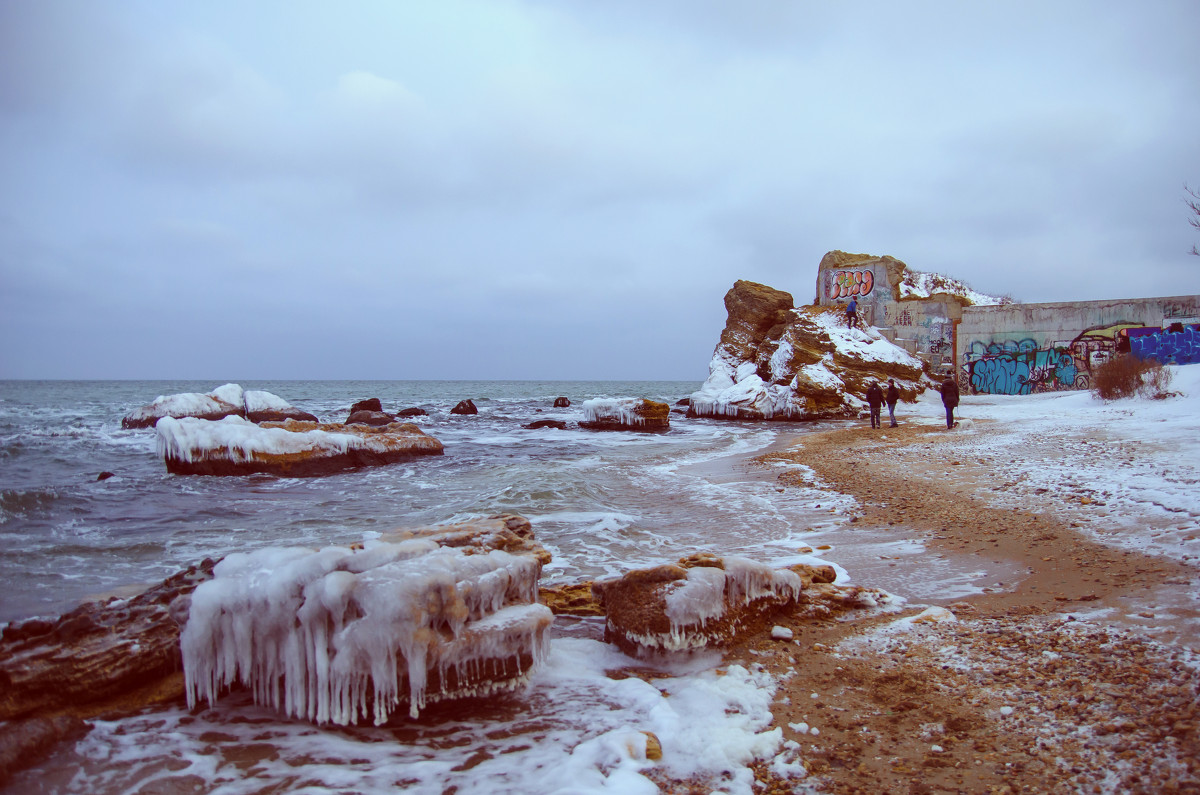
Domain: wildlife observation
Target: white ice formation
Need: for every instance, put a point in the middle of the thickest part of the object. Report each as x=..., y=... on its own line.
x=336, y=635
x=710, y=593
x=623, y=411
x=235, y=439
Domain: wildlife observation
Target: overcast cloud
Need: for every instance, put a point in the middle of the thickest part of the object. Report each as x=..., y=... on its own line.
x=564, y=190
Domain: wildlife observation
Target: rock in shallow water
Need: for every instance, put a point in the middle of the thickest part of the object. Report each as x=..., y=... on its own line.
x=234, y=446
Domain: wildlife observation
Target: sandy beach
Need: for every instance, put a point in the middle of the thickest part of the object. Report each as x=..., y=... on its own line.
x=1080, y=676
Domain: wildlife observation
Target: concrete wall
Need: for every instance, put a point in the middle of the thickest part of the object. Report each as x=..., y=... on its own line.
x=924, y=327
x=1024, y=348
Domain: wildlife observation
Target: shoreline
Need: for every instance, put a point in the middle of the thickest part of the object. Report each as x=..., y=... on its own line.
x=1050, y=682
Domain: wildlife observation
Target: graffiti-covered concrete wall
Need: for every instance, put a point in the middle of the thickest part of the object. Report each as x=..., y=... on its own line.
x=924, y=326
x=1018, y=349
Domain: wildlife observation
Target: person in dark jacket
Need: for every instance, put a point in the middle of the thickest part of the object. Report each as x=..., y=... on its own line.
x=875, y=400
x=949, y=390
x=852, y=313
x=893, y=395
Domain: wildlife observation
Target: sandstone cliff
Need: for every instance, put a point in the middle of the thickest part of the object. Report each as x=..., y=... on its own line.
x=774, y=361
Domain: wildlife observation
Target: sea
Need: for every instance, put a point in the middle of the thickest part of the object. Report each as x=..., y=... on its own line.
x=602, y=502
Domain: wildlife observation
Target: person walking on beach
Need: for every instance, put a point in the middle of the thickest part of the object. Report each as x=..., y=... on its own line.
x=852, y=313
x=949, y=390
x=893, y=395
x=875, y=400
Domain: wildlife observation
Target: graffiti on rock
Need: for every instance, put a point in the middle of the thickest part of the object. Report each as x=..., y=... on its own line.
x=1022, y=367
x=844, y=284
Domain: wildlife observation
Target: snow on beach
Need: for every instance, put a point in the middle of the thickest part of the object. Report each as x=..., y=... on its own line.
x=1129, y=469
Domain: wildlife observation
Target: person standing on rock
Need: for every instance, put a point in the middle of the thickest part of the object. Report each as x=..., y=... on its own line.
x=893, y=395
x=875, y=400
x=852, y=313
x=949, y=390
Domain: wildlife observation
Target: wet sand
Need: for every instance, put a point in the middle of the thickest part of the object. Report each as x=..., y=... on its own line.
x=1074, y=670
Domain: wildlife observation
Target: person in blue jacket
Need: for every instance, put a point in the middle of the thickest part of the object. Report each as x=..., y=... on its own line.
x=852, y=313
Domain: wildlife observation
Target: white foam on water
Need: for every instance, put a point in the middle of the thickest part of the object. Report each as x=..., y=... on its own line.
x=572, y=730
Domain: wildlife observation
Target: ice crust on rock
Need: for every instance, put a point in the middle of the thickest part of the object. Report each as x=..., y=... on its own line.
x=709, y=593
x=622, y=410
x=337, y=635
x=188, y=443
x=227, y=400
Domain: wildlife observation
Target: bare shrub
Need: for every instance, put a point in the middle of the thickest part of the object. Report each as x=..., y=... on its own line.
x=1126, y=376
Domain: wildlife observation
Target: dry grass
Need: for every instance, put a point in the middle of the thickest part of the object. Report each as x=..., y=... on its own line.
x=1126, y=376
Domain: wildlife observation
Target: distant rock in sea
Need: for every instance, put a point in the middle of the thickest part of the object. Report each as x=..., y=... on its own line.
x=774, y=361
x=465, y=407
x=625, y=414
x=561, y=402
x=234, y=446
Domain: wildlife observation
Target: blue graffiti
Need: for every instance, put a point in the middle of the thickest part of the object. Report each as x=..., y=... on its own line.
x=1168, y=347
x=1019, y=369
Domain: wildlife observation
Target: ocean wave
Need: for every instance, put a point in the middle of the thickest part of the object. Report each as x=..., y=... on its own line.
x=22, y=503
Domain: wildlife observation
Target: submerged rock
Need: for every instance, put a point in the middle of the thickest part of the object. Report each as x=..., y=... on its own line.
x=234, y=446
x=625, y=414
x=375, y=419
x=777, y=362
x=538, y=424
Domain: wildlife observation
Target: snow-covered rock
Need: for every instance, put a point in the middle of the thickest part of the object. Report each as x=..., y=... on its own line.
x=702, y=601
x=625, y=414
x=224, y=401
x=341, y=635
x=235, y=446
x=777, y=362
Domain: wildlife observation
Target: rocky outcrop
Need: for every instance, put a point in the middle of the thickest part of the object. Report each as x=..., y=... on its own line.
x=368, y=404
x=625, y=414
x=376, y=419
x=777, y=362
x=561, y=402
x=101, y=656
x=234, y=446
x=701, y=601
x=465, y=407
x=229, y=400
x=415, y=411
x=121, y=655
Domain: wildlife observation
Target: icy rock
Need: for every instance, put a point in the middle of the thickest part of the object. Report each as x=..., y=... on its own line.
x=625, y=414
x=234, y=446
x=266, y=407
x=781, y=633
x=700, y=602
x=221, y=402
x=224, y=401
x=342, y=635
x=776, y=362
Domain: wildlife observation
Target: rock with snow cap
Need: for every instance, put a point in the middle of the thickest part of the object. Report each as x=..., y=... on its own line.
x=266, y=407
x=234, y=446
x=225, y=401
x=702, y=601
x=625, y=414
x=776, y=362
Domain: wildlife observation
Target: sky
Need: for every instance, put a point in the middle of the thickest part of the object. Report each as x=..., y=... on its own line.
x=526, y=189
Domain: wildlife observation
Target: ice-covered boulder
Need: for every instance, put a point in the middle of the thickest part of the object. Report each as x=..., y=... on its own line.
x=342, y=635
x=777, y=363
x=222, y=402
x=255, y=405
x=625, y=414
x=267, y=407
x=234, y=446
x=699, y=602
